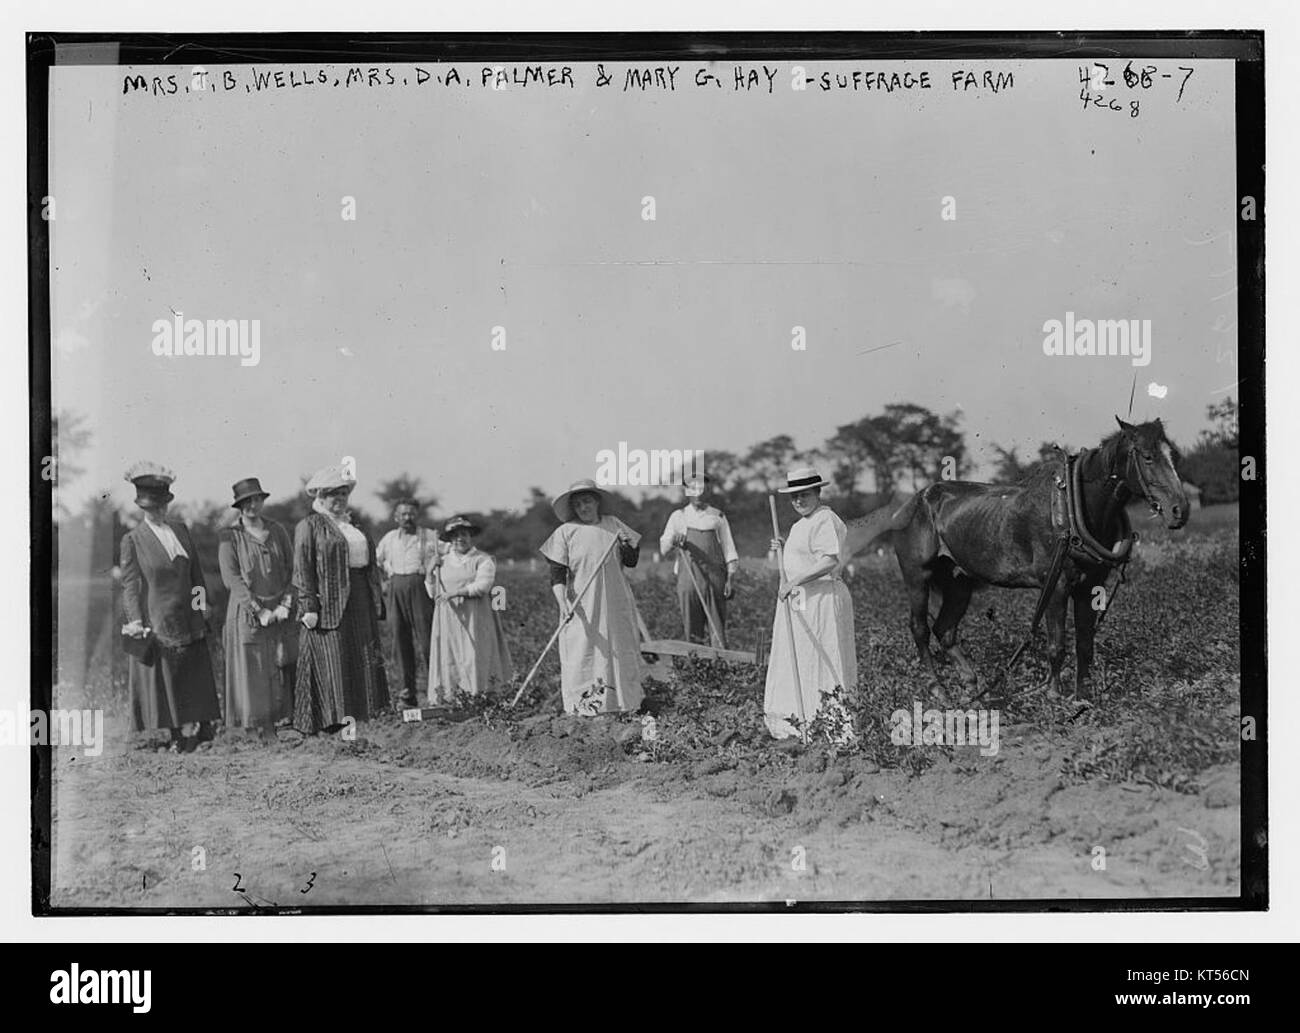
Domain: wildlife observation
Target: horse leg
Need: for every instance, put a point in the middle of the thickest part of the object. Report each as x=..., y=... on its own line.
x=1085, y=633
x=915, y=547
x=957, y=592
x=917, y=581
x=1055, y=618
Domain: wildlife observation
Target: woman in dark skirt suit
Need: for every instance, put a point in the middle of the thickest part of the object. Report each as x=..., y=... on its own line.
x=164, y=599
x=260, y=638
x=340, y=663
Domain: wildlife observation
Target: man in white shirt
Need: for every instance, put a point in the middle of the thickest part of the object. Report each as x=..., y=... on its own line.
x=405, y=555
x=705, y=564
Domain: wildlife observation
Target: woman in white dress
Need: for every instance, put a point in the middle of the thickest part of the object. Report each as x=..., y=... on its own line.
x=821, y=612
x=468, y=651
x=600, y=649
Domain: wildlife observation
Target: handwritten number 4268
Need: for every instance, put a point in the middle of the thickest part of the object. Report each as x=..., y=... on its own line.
x=1098, y=78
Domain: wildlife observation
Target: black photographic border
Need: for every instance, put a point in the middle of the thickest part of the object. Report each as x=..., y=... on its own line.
x=1244, y=47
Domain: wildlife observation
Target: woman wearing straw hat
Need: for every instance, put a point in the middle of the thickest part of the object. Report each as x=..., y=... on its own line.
x=468, y=651
x=820, y=656
x=261, y=644
x=340, y=662
x=164, y=599
x=600, y=654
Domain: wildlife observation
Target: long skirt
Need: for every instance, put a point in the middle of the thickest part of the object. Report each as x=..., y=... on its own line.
x=600, y=658
x=341, y=671
x=258, y=692
x=177, y=690
x=467, y=650
x=823, y=650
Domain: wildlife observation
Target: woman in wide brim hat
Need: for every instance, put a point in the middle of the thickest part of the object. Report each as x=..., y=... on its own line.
x=171, y=685
x=562, y=506
x=822, y=648
x=600, y=648
x=340, y=662
x=468, y=652
x=459, y=523
x=261, y=642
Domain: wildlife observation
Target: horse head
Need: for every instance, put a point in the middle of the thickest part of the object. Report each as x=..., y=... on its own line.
x=1146, y=462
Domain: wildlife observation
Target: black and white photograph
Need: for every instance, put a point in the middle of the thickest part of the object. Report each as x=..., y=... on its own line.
x=693, y=471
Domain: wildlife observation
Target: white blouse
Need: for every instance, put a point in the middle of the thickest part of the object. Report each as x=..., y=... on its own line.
x=358, y=552
x=813, y=539
x=472, y=572
x=167, y=537
x=708, y=518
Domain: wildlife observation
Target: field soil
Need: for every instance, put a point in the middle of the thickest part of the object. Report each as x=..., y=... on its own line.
x=1134, y=797
x=560, y=812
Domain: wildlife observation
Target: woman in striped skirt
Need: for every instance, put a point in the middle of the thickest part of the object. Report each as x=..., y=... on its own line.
x=340, y=663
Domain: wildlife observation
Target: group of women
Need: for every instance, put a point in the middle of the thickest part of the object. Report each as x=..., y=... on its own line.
x=301, y=635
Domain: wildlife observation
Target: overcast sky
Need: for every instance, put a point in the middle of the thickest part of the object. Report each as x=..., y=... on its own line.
x=522, y=208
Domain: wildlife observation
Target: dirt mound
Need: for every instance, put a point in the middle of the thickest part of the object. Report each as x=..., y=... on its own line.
x=536, y=750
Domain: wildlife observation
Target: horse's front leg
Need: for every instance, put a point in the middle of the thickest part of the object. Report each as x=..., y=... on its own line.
x=1085, y=634
x=918, y=597
x=1055, y=618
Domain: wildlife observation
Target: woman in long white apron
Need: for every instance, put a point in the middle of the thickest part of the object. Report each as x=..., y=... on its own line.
x=468, y=651
x=600, y=649
x=821, y=612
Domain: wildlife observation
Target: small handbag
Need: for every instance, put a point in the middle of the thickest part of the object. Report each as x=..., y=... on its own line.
x=144, y=649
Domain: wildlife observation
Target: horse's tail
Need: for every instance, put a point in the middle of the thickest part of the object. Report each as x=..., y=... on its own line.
x=893, y=516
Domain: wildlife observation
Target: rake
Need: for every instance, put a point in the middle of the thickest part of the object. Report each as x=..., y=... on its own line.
x=675, y=647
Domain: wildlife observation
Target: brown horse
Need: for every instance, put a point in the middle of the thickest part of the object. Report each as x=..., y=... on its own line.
x=956, y=536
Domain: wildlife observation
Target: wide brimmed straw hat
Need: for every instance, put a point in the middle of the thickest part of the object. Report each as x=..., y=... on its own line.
x=458, y=523
x=562, y=506
x=801, y=478
x=152, y=483
x=329, y=477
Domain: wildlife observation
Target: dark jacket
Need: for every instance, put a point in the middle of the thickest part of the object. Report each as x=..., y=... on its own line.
x=320, y=571
x=160, y=592
x=233, y=557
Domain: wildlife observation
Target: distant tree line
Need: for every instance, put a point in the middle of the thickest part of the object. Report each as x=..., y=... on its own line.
x=903, y=448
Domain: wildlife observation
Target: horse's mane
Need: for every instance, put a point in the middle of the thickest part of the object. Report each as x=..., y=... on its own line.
x=1044, y=471
x=1109, y=449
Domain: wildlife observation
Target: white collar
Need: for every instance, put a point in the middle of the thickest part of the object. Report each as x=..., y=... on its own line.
x=318, y=504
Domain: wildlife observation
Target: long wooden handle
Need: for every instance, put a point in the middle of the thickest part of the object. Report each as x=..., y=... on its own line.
x=789, y=624
x=565, y=619
x=554, y=635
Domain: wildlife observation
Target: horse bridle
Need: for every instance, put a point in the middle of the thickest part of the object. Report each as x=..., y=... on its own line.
x=1122, y=482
